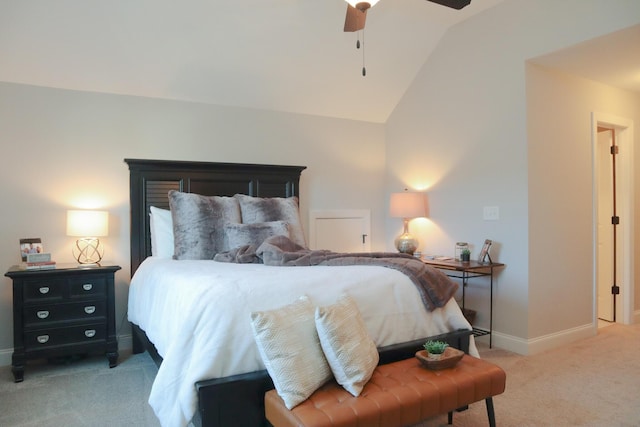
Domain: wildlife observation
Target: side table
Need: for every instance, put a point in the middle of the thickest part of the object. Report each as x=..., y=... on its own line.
x=63, y=311
x=465, y=270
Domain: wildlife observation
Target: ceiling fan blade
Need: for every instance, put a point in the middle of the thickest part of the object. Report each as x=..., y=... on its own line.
x=355, y=19
x=454, y=4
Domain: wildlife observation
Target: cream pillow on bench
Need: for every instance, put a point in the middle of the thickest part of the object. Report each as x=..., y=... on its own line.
x=288, y=344
x=302, y=346
x=346, y=344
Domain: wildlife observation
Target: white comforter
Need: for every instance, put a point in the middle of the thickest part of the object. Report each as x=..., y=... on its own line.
x=197, y=313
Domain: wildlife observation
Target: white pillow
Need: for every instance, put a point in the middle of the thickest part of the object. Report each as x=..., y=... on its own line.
x=161, y=227
x=349, y=349
x=290, y=349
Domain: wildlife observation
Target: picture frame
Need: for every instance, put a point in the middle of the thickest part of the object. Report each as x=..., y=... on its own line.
x=31, y=245
x=484, y=252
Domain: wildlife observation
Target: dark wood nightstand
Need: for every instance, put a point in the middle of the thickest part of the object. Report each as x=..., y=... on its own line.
x=64, y=311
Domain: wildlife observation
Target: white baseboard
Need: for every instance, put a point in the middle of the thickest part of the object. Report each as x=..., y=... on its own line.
x=124, y=343
x=510, y=342
x=5, y=356
x=531, y=346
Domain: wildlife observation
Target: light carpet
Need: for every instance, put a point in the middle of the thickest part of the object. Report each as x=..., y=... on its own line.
x=80, y=393
x=591, y=382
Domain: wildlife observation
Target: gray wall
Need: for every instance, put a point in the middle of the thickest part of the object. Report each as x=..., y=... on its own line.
x=63, y=149
x=463, y=131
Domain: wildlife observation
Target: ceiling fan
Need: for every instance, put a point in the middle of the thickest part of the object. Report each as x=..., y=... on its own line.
x=357, y=11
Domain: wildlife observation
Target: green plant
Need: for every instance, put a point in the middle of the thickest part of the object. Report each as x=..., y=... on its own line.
x=465, y=252
x=435, y=347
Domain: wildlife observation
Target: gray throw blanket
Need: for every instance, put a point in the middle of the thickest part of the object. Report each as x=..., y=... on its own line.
x=434, y=286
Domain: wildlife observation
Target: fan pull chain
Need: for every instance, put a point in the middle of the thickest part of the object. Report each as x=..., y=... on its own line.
x=364, y=69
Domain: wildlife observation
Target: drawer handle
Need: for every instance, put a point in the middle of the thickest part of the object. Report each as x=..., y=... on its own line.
x=90, y=309
x=43, y=314
x=44, y=290
x=90, y=333
x=87, y=286
x=43, y=338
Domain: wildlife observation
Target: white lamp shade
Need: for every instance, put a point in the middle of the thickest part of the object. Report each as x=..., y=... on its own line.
x=409, y=205
x=87, y=223
x=355, y=2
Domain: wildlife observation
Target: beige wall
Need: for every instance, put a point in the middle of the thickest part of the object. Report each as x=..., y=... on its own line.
x=561, y=199
x=461, y=130
x=61, y=147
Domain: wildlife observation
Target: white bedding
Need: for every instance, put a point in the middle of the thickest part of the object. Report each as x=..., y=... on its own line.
x=197, y=313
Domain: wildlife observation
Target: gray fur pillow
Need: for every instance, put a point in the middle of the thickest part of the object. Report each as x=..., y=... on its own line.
x=198, y=224
x=254, y=234
x=258, y=209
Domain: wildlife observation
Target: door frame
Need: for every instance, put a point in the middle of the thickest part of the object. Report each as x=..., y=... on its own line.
x=624, y=162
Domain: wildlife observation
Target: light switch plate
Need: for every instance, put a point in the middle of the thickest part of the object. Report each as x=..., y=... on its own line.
x=491, y=213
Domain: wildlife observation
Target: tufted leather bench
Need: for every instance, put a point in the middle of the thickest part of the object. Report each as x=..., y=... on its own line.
x=399, y=394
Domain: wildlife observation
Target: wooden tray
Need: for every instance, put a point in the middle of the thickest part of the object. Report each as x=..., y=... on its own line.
x=449, y=358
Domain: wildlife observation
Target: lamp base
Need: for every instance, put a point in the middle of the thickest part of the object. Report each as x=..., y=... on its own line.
x=406, y=243
x=89, y=251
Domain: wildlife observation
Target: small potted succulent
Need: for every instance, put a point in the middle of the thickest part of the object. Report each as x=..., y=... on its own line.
x=435, y=349
x=465, y=255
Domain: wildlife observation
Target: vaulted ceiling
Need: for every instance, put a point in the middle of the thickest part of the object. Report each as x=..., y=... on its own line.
x=613, y=59
x=284, y=55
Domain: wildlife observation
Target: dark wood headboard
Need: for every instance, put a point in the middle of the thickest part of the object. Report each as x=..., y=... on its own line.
x=151, y=180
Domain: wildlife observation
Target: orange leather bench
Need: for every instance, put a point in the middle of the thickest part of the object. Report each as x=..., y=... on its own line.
x=398, y=394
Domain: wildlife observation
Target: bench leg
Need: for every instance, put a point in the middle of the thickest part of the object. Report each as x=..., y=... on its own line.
x=490, y=413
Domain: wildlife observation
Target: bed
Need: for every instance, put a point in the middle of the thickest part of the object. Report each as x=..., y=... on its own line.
x=229, y=398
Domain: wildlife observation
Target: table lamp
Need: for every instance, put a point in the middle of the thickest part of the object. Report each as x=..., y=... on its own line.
x=88, y=225
x=408, y=205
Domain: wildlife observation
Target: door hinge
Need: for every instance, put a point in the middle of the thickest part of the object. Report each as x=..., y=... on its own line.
x=615, y=290
x=615, y=220
x=614, y=149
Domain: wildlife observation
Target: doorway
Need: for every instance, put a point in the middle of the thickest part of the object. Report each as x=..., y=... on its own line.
x=608, y=265
x=613, y=218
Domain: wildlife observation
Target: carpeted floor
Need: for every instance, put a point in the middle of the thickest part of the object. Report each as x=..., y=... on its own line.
x=80, y=393
x=592, y=382
x=577, y=385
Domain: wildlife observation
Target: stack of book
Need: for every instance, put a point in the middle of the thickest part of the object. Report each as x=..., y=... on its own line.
x=39, y=261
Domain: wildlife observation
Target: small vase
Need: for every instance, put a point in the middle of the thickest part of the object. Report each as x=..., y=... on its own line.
x=465, y=257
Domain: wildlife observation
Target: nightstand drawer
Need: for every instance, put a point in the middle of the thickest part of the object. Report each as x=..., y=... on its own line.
x=44, y=289
x=45, y=338
x=39, y=316
x=87, y=286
